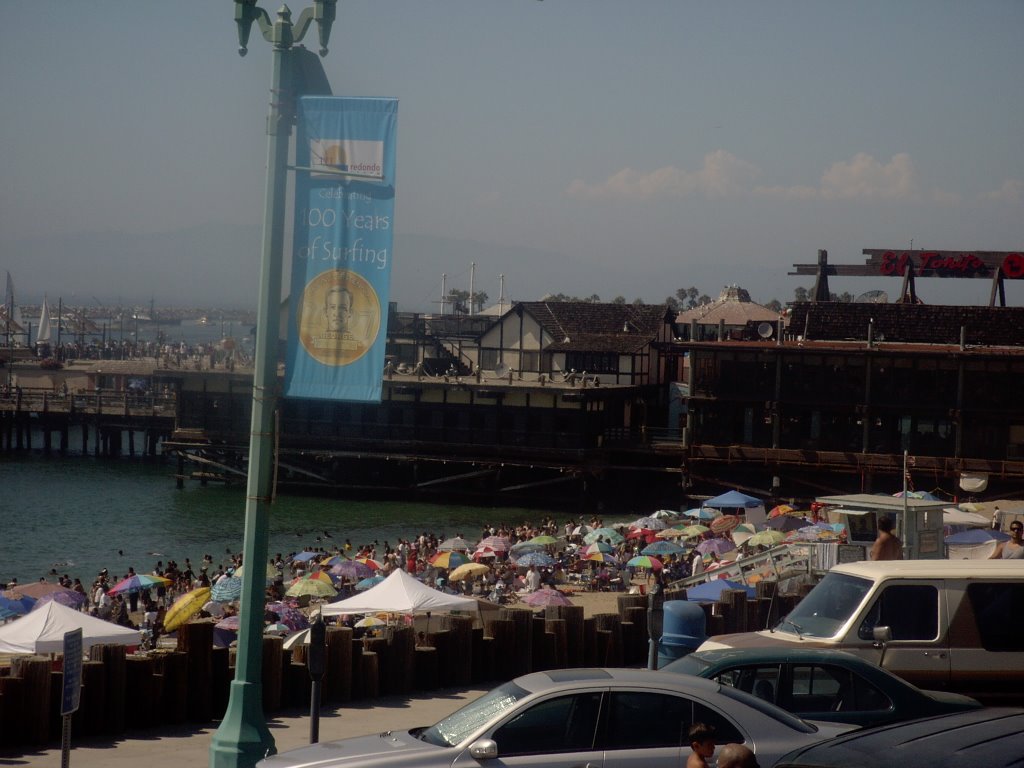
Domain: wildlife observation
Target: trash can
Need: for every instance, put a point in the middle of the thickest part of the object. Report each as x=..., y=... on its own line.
x=683, y=630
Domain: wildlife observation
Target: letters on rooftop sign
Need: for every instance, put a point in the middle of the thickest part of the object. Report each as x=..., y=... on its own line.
x=984, y=264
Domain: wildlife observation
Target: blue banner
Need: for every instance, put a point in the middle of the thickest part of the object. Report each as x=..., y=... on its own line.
x=341, y=258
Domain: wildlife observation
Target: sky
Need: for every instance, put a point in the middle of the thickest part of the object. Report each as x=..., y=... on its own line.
x=574, y=146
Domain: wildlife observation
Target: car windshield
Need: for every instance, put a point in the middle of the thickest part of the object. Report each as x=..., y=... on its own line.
x=462, y=724
x=826, y=607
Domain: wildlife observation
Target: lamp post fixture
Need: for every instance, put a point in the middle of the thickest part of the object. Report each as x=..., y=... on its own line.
x=243, y=737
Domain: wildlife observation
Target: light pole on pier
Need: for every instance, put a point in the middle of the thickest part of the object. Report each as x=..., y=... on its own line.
x=243, y=737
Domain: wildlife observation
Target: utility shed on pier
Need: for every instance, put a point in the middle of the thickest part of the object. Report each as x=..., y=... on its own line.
x=919, y=522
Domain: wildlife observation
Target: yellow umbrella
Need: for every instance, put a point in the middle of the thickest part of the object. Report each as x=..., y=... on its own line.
x=272, y=572
x=185, y=607
x=311, y=586
x=468, y=570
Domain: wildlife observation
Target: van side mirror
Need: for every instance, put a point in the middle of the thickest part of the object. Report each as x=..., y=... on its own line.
x=881, y=635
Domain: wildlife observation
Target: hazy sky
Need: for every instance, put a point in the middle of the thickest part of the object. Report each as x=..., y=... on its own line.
x=577, y=146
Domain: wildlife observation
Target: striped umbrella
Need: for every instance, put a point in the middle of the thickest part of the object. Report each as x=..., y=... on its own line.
x=449, y=559
x=315, y=584
x=369, y=583
x=602, y=557
x=605, y=534
x=137, y=583
x=598, y=546
x=227, y=589
x=544, y=540
x=539, y=559
x=645, y=561
x=662, y=548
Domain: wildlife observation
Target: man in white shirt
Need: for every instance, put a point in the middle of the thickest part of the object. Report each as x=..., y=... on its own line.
x=532, y=579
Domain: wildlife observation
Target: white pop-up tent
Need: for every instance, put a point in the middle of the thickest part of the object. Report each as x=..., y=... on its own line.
x=42, y=631
x=400, y=593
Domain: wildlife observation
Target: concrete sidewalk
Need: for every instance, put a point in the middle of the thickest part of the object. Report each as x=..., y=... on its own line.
x=183, y=746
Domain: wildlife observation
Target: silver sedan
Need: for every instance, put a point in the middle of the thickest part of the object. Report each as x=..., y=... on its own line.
x=577, y=718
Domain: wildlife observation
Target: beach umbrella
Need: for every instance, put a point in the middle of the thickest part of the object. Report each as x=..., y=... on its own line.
x=785, y=523
x=312, y=585
x=672, y=533
x=977, y=536
x=711, y=591
x=742, y=532
x=665, y=514
x=136, y=583
x=782, y=509
x=692, y=531
x=650, y=523
x=68, y=598
x=449, y=559
x=539, y=559
x=733, y=499
x=17, y=606
x=369, y=583
x=226, y=589
x=545, y=597
x=662, y=548
x=544, y=540
x=767, y=538
x=703, y=513
x=601, y=557
x=724, y=523
x=375, y=565
x=272, y=572
x=36, y=589
x=289, y=614
x=484, y=553
x=185, y=607
x=468, y=570
x=277, y=628
x=524, y=546
x=457, y=544
x=370, y=621
x=296, y=638
x=606, y=534
x=645, y=535
x=716, y=546
x=645, y=561
x=581, y=530
x=497, y=543
x=352, y=569
x=230, y=623
x=304, y=556
x=334, y=560
x=598, y=546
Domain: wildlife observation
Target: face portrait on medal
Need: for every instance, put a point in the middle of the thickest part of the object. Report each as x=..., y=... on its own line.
x=339, y=317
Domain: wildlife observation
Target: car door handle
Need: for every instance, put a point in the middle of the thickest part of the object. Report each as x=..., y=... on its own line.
x=939, y=655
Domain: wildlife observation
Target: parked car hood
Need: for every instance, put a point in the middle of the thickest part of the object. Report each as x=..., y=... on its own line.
x=387, y=748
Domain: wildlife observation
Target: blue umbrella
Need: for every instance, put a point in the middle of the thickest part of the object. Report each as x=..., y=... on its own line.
x=540, y=559
x=733, y=499
x=304, y=557
x=703, y=513
x=711, y=591
x=662, y=548
x=369, y=583
x=227, y=589
x=16, y=606
x=977, y=536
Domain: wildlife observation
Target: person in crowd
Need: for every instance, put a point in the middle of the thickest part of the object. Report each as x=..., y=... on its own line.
x=887, y=546
x=737, y=756
x=702, y=744
x=1014, y=548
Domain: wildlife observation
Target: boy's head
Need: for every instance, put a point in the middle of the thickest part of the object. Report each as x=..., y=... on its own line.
x=702, y=739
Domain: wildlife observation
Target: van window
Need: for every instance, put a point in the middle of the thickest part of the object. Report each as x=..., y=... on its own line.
x=999, y=610
x=910, y=610
x=827, y=607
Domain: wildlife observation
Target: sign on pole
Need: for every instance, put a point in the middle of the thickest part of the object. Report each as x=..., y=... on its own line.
x=72, y=671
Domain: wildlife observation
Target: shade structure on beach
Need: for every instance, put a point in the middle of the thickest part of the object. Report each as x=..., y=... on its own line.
x=17, y=606
x=545, y=597
x=524, y=546
x=399, y=593
x=278, y=628
x=316, y=584
x=69, y=597
x=601, y=557
x=352, y=569
x=783, y=509
x=665, y=514
x=375, y=565
x=289, y=614
x=645, y=561
x=297, y=638
x=497, y=543
x=137, y=583
x=724, y=523
x=645, y=535
x=449, y=559
x=711, y=591
x=538, y=559
x=692, y=531
x=43, y=631
x=767, y=538
x=716, y=546
x=650, y=523
x=185, y=607
x=230, y=623
x=598, y=546
x=226, y=589
x=304, y=557
x=468, y=571
x=370, y=621
x=703, y=513
x=35, y=590
x=732, y=500
x=672, y=533
x=605, y=534
x=544, y=540
x=369, y=583
x=977, y=536
x=785, y=523
x=662, y=548
x=455, y=544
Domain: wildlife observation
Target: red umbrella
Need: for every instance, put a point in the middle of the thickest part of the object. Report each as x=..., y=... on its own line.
x=647, y=534
x=545, y=597
x=724, y=523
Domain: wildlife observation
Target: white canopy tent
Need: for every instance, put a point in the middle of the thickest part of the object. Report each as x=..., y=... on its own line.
x=42, y=631
x=400, y=593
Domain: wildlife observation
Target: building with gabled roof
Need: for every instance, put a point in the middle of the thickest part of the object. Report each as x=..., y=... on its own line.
x=729, y=315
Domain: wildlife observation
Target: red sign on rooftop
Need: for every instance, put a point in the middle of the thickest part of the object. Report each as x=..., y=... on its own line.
x=893, y=262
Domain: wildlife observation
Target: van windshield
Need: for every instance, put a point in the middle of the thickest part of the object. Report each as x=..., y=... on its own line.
x=827, y=607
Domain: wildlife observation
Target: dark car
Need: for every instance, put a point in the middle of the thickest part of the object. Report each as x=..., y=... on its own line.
x=989, y=737
x=819, y=684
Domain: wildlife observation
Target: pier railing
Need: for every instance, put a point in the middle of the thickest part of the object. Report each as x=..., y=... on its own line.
x=37, y=400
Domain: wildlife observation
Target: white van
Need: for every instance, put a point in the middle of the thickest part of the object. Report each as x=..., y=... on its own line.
x=953, y=625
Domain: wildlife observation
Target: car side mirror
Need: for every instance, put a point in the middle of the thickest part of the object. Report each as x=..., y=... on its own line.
x=483, y=749
x=882, y=635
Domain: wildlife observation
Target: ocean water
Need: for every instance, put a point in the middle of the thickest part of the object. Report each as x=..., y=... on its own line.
x=78, y=515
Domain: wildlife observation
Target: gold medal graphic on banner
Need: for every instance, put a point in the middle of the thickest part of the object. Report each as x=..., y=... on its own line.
x=339, y=317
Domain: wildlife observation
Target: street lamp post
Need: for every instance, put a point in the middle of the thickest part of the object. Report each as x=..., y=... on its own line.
x=243, y=737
